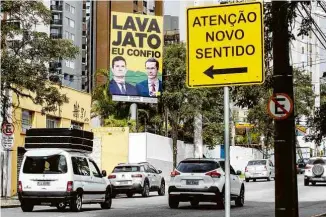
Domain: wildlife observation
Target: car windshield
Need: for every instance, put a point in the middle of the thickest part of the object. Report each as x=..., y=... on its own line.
x=45, y=165
x=197, y=166
x=317, y=161
x=121, y=169
x=256, y=162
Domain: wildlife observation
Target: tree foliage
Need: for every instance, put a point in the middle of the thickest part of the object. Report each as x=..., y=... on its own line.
x=24, y=62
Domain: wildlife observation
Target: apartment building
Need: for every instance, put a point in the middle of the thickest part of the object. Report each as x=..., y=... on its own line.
x=67, y=23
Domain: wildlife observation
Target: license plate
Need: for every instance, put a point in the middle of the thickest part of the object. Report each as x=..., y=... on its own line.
x=43, y=183
x=124, y=183
x=192, y=182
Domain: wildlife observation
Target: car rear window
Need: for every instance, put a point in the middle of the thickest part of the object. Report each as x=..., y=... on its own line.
x=197, y=166
x=122, y=169
x=54, y=164
x=317, y=161
x=256, y=162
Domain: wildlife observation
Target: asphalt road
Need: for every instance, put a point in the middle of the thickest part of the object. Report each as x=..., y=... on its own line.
x=259, y=202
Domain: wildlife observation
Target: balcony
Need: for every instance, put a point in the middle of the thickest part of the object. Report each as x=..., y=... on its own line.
x=56, y=7
x=56, y=35
x=56, y=22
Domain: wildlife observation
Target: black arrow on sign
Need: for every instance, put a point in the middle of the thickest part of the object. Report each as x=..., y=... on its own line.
x=210, y=72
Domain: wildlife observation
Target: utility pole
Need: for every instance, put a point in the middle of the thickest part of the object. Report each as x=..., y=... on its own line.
x=286, y=194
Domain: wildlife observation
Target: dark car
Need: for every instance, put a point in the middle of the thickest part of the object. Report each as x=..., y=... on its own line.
x=301, y=164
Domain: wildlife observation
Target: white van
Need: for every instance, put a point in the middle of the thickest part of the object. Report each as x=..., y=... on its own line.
x=61, y=177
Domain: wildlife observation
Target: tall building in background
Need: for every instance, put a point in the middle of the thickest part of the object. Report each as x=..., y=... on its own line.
x=67, y=23
x=171, y=29
x=308, y=52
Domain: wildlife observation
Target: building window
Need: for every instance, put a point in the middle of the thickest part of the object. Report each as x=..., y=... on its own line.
x=310, y=62
x=72, y=10
x=70, y=64
x=26, y=120
x=52, y=122
x=66, y=34
x=67, y=20
x=72, y=37
x=67, y=7
x=310, y=47
x=72, y=23
x=76, y=125
x=145, y=3
x=71, y=78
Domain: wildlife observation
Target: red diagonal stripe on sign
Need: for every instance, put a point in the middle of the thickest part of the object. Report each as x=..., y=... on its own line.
x=280, y=106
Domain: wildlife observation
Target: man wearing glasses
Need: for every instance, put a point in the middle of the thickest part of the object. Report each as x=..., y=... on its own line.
x=152, y=87
x=118, y=84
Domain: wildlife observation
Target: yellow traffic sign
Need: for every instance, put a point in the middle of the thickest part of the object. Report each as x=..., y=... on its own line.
x=225, y=45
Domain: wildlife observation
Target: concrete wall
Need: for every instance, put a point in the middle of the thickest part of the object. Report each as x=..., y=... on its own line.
x=239, y=156
x=113, y=145
x=156, y=150
x=137, y=148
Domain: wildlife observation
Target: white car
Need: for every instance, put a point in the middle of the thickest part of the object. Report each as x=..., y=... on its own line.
x=136, y=178
x=203, y=180
x=315, y=171
x=259, y=169
x=58, y=177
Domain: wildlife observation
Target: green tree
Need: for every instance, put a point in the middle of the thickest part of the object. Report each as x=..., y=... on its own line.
x=24, y=63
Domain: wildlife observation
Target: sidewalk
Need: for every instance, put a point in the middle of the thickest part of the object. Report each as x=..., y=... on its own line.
x=9, y=203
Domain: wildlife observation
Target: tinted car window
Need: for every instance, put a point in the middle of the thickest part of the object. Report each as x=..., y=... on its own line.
x=123, y=169
x=197, y=166
x=80, y=166
x=54, y=164
x=256, y=162
x=317, y=161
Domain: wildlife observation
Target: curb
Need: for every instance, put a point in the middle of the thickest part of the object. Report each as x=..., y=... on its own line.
x=320, y=215
x=9, y=206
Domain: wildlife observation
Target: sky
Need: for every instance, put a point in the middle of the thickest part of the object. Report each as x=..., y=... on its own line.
x=171, y=8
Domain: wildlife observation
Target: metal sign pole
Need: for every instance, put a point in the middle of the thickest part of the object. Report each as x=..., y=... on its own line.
x=227, y=151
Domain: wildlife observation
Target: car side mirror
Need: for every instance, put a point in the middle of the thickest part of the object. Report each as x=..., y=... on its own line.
x=104, y=173
x=159, y=171
x=238, y=172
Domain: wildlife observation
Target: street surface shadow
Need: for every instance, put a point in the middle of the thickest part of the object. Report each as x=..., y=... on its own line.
x=66, y=210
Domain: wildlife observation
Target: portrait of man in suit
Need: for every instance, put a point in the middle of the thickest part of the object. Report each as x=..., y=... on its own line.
x=118, y=84
x=152, y=87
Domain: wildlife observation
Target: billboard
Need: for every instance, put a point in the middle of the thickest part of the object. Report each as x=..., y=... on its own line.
x=136, y=53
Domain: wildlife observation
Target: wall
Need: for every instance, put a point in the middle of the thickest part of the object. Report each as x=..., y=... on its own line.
x=114, y=143
x=239, y=156
x=137, y=148
x=156, y=150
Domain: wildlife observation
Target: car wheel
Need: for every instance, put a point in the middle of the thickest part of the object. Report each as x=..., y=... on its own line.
x=108, y=201
x=247, y=180
x=26, y=207
x=145, y=190
x=161, y=191
x=254, y=180
x=61, y=206
x=220, y=200
x=173, y=202
x=194, y=203
x=130, y=195
x=313, y=183
x=76, y=203
x=240, y=199
x=306, y=182
x=113, y=195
